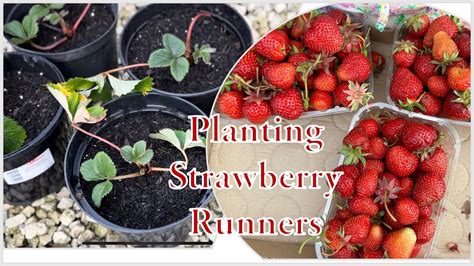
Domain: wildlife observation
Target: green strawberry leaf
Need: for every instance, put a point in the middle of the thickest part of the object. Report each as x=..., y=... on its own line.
x=100, y=191
x=79, y=84
x=14, y=135
x=56, y=6
x=173, y=44
x=100, y=168
x=122, y=87
x=138, y=154
x=160, y=58
x=30, y=25
x=179, y=68
x=204, y=53
x=38, y=11
x=53, y=18
x=178, y=138
x=15, y=29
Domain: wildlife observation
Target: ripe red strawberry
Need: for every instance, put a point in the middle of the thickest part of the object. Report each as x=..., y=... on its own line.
x=443, y=23
x=321, y=100
x=438, y=86
x=418, y=25
x=247, y=66
x=288, y=104
x=444, y=47
x=266, y=66
x=459, y=78
x=417, y=136
x=399, y=244
x=300, y=24
x=436, y=163
x=349, y=170
x=323, y=35
x=355, y=67
x=464, y=45
x=357, y=227
x=345, y=253
x=418, y=42
x=357, y=138
x=231, y=103
x=280, y=75
x=371, y=164
x=362, y=205
x=406, y=211
x=428, y=189
x=378, y=61
x=325, y=81
x=392, y=129
x=423, y=68
x=456, y=110
x=415, y=251
x=404, y=54
x=346, y=185
x=400, y=161
x=340, y=95
x=406, y=187
x=343, y=214
x=431, y=103
x=298, y=58
x=295, y=47
x=377, y=148
x=374, y=239
x=339, y=16
x=424, y=230
x=371, y=127
x=333, y=238
x=273, y=46
x=390, y=222
x=371, y=254
x=366, y=184
x=257, y=112
x=425, y=211
x=405, y=85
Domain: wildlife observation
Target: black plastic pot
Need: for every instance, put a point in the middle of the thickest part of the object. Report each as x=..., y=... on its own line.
x=126, y=105
x=52, y=139
x=85, y=61
x=232, y=18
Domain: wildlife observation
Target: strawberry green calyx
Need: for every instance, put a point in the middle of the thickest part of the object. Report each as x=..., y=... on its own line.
x=458, y=22
x=306, y=69
x=405, y=46
x=325, y=62
x=358, y=95
x=464, y=97
x=410, y=104
x=426, y=153
x=352, y=156
x=416, y=22
x=447, y=60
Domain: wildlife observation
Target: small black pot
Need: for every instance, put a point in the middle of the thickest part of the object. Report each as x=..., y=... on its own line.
x=85, y=61
x=52, y=140
x=232, y=18
x=132, y=103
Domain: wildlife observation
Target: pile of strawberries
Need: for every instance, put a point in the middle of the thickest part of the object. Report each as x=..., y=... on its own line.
x=394, y=172
x=314, y=62
x=433, y=74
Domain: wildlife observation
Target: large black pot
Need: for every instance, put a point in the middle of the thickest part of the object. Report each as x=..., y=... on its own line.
x=118, y=108
x=85, y=61
x=47, y=148
x=230, y=17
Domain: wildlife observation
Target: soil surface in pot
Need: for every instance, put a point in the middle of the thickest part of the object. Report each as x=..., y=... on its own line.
x=96, y=22
x=147, y=201
x=27, y=100
x=201, y=77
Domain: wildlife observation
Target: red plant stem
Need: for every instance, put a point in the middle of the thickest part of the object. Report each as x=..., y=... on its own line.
x=96, y=137
x=81, y=17
x=65, y=28
x=124, y=67
x=190, y=29
x=48, y=47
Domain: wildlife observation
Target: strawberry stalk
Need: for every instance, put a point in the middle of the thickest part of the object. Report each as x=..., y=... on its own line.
x=49, y=46
x=114, y=146
x=190, y=30
x=306, y=68
x=124, y=68
x=81, y=17
x=386, y=207
x=410, y=104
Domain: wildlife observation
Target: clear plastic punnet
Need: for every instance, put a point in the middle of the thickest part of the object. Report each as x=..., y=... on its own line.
x=451, y=145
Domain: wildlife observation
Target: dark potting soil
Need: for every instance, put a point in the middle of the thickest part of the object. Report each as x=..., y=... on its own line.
x=27, y=100
x=201, y=77
x=96, y=22
x=147, y=201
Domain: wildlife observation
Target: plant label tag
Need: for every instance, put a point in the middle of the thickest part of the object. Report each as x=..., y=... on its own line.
x=30, y=170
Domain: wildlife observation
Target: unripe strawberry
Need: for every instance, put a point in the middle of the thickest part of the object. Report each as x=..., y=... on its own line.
x=399, y=244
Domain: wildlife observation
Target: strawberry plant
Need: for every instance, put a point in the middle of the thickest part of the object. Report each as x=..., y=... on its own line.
x=314, y=62
x=14, y=135
x=432, y=74
x=48, y=15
